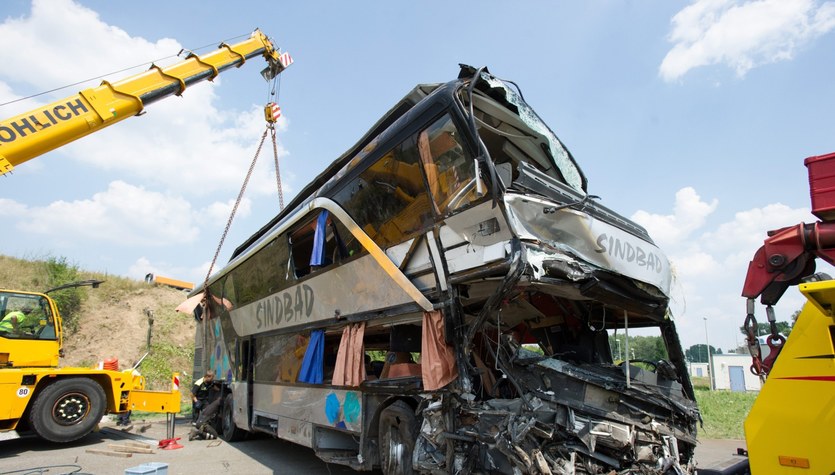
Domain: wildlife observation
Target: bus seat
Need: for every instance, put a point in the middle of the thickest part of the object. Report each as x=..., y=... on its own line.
x=394, y=358
x=401, y=370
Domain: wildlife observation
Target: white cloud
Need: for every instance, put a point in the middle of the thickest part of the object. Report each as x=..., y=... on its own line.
x=124, y=214
x=219, y=212
x=710, y=262
x=11, y=208
x=742, y=34
x=689, y=214
x=184, y=143
x=749, y=228
x=46, y=46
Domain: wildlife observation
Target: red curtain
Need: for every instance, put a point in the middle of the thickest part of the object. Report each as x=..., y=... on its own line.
x=437, y=359
x=350, y=359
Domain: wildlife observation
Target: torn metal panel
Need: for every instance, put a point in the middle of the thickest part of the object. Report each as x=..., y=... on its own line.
x=577, y=236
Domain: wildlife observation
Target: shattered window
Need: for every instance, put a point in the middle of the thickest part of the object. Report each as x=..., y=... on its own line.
x=571, y=175
x=388, y=200
x=450, y=170
x=321, y=242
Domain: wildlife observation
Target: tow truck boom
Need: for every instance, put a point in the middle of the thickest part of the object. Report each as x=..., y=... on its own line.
x=791, y=424
x=41, y=130
x=787, y=258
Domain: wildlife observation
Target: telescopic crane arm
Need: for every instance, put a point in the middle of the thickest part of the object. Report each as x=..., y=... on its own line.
x=46, y=128
x=787, y=256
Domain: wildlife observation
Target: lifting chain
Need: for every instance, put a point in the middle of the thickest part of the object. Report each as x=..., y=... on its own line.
x=277, y=172
x=271, y=113
x=235, y=208
x=761, y=367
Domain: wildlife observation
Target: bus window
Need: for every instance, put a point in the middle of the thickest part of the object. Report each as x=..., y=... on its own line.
x=278, y=358
x=321, y=241
x=261, y=274
x=449, y=169
x=388, y=200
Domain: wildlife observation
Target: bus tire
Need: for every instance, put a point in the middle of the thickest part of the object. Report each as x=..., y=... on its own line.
x=397, y=434
x=228, y=430
x=67, y=409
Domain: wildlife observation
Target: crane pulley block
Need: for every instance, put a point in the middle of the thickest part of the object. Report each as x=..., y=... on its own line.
x=272, y=112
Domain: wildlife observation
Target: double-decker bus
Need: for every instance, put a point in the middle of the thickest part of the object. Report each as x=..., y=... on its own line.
x=441, y=299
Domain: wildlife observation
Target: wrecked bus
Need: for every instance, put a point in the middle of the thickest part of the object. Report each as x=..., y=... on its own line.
x=440, y=300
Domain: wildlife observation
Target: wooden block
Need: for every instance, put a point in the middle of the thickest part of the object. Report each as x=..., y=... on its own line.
x=109, y=453
x=133, y=443
x=134, y=450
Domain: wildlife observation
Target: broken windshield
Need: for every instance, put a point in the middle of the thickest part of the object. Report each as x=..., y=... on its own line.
x=513, y=133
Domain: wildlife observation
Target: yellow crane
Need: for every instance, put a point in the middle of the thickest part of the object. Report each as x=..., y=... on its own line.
x=46, y=128
x=64, y=404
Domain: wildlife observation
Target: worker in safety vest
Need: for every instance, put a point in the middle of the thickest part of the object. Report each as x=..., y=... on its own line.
x=16, y=321
x=204, y=391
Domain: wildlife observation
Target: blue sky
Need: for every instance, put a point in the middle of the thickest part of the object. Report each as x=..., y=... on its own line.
x=693, y=118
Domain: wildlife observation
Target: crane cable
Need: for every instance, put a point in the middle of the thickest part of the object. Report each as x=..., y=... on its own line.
x=271, y=113
x=277, y=171
x=275, y=91
x=235, y=208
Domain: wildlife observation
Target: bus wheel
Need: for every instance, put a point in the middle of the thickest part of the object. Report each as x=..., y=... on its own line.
x=67, y=409
x=398, y=431
x=229, y=431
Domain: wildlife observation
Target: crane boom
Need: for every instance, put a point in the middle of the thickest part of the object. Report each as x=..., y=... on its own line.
x=46, y=128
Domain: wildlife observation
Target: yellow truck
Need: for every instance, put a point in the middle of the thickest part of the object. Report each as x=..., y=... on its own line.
x=60, y=404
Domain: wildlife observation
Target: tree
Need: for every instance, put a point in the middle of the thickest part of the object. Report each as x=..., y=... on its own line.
x=764, y=328
x=698, y=353
x=640, y=347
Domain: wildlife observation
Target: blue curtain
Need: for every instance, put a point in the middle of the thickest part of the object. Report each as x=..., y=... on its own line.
x=317, y=257
x=313, y=363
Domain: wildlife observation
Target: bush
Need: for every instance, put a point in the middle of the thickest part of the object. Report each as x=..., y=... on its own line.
x=163, y=360
x=60, y=272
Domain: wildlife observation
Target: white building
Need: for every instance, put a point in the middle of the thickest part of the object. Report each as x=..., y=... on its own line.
x=697, y=370
x=732, y=372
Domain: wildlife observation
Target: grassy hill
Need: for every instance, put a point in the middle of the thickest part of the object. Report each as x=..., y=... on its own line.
x=113, y=321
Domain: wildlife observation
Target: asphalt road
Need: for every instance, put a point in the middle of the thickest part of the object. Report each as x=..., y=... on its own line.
x=29, y=455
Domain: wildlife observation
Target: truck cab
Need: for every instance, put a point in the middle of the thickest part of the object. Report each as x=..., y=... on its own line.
x=35, y=341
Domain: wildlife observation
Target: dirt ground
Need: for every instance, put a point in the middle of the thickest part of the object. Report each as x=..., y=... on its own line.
x=115, y=325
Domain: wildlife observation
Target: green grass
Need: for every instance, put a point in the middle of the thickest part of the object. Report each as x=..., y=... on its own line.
x=158, y=366
x=723, y=412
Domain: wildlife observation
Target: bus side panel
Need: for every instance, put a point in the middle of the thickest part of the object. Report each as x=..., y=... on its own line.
x=336, y=408
x=360, y=285
x=240, y=395
x=296, y=431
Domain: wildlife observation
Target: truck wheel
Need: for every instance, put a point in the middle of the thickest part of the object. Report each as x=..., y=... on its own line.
x=67, y=409
x=397, y=434
x=229, y=431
